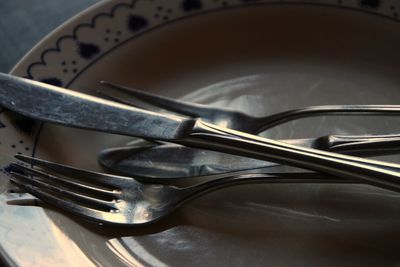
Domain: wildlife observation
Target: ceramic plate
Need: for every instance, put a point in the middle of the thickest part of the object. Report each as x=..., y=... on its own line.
x=258, y=56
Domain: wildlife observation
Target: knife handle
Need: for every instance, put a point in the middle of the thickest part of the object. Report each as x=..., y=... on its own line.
x=378, y=173
x=366, y=145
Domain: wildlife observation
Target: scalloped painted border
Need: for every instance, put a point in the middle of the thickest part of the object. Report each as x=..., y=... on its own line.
x=74, y=37
x=363, y=6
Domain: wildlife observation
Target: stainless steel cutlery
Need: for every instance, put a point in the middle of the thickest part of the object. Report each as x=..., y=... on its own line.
x=62, y=106
x=167, y=161
x=237, y=120
x=161, y=161
x=122, y=200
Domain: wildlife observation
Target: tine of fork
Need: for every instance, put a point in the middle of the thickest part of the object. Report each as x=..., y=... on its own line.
x=121, y=100
x=67, y=183
x=66, y=192
x=89, y=176
x=194, y=110
x=68, y=205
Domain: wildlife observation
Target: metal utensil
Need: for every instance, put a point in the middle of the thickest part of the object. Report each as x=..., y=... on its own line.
x=58, y=105
x=124, y=201
x=171, y=161
x=234, y=119
x=166, y=162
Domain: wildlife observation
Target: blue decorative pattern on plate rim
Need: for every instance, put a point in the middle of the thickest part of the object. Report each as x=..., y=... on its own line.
x=163, y=15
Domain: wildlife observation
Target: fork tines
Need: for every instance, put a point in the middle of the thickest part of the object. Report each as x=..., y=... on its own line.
x=71, y=189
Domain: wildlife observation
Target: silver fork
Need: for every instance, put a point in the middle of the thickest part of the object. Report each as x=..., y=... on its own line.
x=119, y=200
x=234, y=119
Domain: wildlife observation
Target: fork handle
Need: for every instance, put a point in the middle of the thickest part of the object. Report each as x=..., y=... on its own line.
x=262, y=178
x=267, y=122
x=366, y=145
x=378, y=173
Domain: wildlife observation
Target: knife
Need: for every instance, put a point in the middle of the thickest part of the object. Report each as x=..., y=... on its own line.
x=70, y=108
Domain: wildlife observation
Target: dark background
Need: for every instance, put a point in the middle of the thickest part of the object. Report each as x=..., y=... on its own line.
x=23, y=23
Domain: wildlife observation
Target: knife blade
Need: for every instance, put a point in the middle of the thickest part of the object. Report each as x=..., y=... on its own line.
x=58, y=105
x=62, y=106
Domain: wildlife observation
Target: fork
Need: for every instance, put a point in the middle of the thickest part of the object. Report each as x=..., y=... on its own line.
x=238, y=120
x=124, y=201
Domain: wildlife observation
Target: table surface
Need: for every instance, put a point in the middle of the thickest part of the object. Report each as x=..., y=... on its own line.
x=23, y=23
